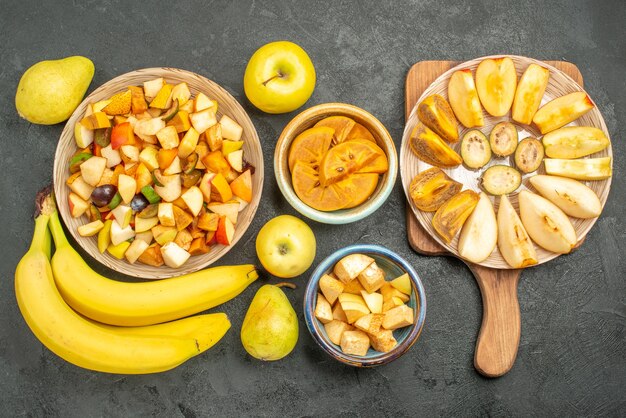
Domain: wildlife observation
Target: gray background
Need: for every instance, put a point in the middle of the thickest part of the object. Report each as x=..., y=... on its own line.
x=572, y=354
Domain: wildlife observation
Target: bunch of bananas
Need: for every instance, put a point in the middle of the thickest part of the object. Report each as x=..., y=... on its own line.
x=115, y=327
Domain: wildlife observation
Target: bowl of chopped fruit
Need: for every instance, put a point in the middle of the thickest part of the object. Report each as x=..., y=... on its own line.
x=335, y=163
x=365, y=305
x=158, y=173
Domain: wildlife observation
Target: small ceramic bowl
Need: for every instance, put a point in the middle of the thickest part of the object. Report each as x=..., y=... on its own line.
x=394, y=266
x=306, y=120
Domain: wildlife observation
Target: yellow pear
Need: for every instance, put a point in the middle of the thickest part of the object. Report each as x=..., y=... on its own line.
x=50, y=91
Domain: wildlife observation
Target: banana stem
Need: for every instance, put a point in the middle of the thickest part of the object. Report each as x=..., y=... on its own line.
x=60, y=240
x=39, y=236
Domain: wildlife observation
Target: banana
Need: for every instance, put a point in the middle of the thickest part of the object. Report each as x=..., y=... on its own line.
x=135, y=304
x=82, y=342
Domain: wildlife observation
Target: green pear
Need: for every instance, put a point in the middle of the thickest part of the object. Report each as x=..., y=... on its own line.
x=50, y=91
x=270, y=328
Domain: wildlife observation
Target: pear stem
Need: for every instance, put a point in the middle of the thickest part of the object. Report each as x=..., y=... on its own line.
x=285, y=284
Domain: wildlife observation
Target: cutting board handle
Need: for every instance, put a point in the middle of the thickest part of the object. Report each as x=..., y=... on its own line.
x=498, y=339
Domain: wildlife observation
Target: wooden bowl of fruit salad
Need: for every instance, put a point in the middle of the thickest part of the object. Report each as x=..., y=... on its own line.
x=365, y=305
x=335, y=163
x=158, y=173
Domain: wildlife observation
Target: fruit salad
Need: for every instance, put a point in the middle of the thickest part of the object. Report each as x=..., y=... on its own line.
x=157, y=175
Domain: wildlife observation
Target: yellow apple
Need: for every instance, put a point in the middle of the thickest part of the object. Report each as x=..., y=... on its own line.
x=286, y=246
x=279, y=77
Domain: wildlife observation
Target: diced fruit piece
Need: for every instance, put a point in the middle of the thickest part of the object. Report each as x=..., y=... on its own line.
x=118, y=250
x=403, y=283
x=429, y=147
x=193, y=199
x=513, y=241
x=81, y=188
x=103, y=195
x=355, y=342
x=165, y=157
x=148, y=127
x=350, y=266
x=83, y=136
x=182, y=218
x=432, y=188
x=90, y=229
x=138, y=102
x=561, y=111
x=148, y=157
x=528, y=155
x=389, y=292
x=230, y=129
x=391, y=303
x=107, y=177
x=353, y=306
x=170, y=112
x=354, y=286
x=145, y=236
x=145, y=224
x=208, y=221
x=335, y=329
x=546, y=224
x=120, y=104
x=91, y=170
x=331, y=288
x=230, y=146
x=127, y=186
x=242, y=186
x=529, y=92
x=479, y=234
x=383, y=340
x=202, y=102
x=500, y=179
x=475, y=149
x=228, y=209
x=96, y=120
x=143, y=177
x=168, y=137
x=102, y=137
x=203, y=120
x=136, y=248
x=573, y=197
x=374, y=301
x=436, y=113
x=104, y=236
x=166, y=214
x=173, y=255
x=205, y=186
x=225, y=231
x=150, y=194
x=151, y=88
x=174, y=168
x=310, y=146
x=464, y=99
x=503, y=139
x=188, y=143
x=346, y=158
x=199, y=246
x=216, y=163
x=77, y=159
x=214, y=137
x=171, y=189
x=189, y=163
x=341, y=125
x=235, y=160
x=163, y=99
x=451, y=216
x=183, y=239
x=123, y=215
x=370, y=323
x=398, y=317
x=583, y=169
x=129, y=153
x=149, y=211
x=220, y=189
x=372, y=278
x=164, y=234
x=117, y=199
x=180, y=121
x=339, y=314
x=152, y=256
x=574, y=142
x=181, y=93
x=323, y=310
x=122, y=134
x=119, y=234
x=496, y=81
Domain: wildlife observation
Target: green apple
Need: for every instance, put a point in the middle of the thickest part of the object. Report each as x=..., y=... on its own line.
x=286, y=246
x=279, y=78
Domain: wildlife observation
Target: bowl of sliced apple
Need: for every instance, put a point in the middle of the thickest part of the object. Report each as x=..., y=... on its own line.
x=158, y=173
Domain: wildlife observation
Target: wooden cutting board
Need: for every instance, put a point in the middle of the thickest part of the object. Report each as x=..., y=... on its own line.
x=498, y=339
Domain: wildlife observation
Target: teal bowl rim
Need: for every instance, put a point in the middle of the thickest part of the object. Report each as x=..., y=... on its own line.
x=314, y=325
x=343, y=216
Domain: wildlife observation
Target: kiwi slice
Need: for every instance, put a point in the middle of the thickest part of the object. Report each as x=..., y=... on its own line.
x=503, y=139
x=475, y=149
x=500, y=179
x=528, y=155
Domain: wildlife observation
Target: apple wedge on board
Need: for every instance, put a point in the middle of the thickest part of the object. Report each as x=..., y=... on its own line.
x=496, y=81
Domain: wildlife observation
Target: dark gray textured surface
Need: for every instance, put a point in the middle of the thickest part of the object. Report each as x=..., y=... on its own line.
x=572, y=354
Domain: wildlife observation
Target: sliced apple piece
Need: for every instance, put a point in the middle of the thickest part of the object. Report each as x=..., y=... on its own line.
x=81, y=188
x=146, y=236
x=429, y=147
x=529, y=92
x=225, y=231
x=91, y=170
x=119, y=234
x=82, y=135
x=350, y=266
x=583, y=169
x=323, y=310
x=513, y=241
x=464, y=99
x=398, y=317
x=166, y=214
x=134, y=251
x=573, y=197
x=173, y=255
x=353, y=306
x=203, y=120
x=171, y=189
x=230, y=129
x=561, y=111
x=164, y=234
x=168, y=137
x=403, y=283
x=331, y=288
x=126, y=186
x=496, y=81
x=451, y=216
x=174, y=168
x=194, y=200
x=122, y=215
x=335, y=329
x=145, y=224
x=90, y=229
x=436, y=113
x=574, y=142
x=374, y=301
x=546, y=224
x=229, y=209
x=479, y=234
x=149, y=158
x=235, y=159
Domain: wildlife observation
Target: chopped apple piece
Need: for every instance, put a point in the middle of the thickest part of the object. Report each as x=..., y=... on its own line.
x=335, y=329
x=230, y=129
x=202, y=102
x=398, y=317
x=529, y=92
x=151, y=88
x=145, y=236
x=374, y=301
x=136, y=248
x=171, y=189
x=496, y=81
x=353, y=306
x=561, y=111
x=193, y=199
x=370, y=323
x=168, y=137
x=323, y=310
x=145, y=224
x=174, y=168
x=126, y=186
x=188, y=143
x=129, y=153
x=235, y=159
x=166, y=214
x=91, y=170
x=173, y=255
x=83, y=136
x=229, y=209
x=148, y=157
x=331, y=288
x=513, y=241
x=122, y=214
x=355, y=342
x=464, y=99
x=81, y=188
x=383, y=340
x=119, y=234
x=403, y=283
x=203, y=120
x=90, y=229
x=242, y=203
x=148, y=127
x=372, y=278
x=164, y=234
x=181, y=93
x=225, y=231
x=349, y=267
x=214, y=137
